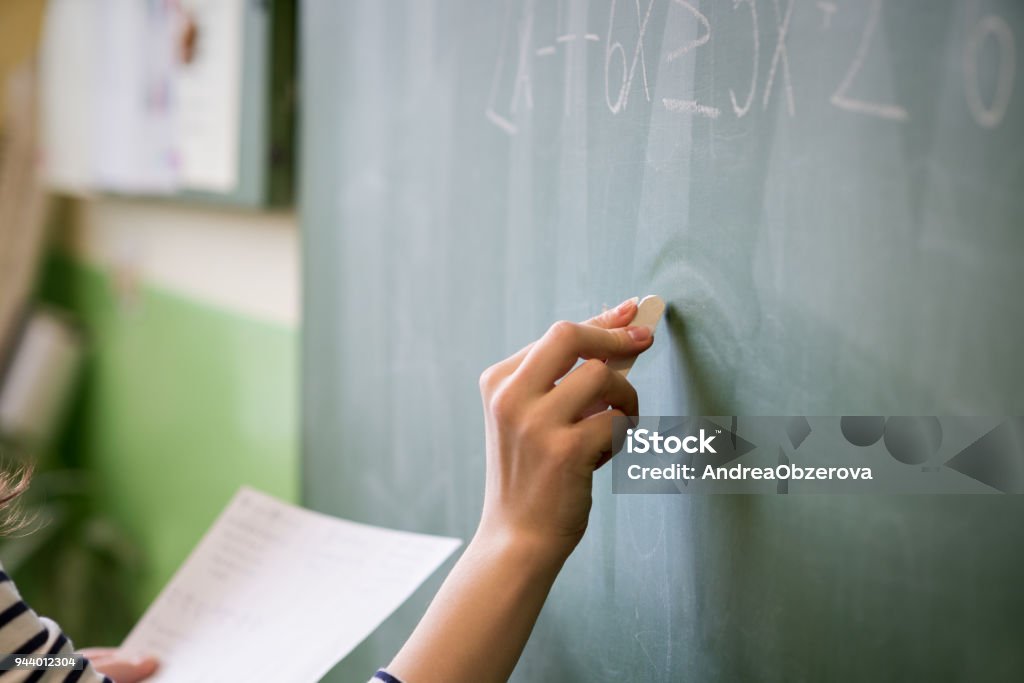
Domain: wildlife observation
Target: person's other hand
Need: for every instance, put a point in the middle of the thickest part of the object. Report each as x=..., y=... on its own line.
x=547, y=431
x=121, y=668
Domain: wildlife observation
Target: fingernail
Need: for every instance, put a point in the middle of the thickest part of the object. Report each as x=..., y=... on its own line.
x=639, y=333
x=626, y=304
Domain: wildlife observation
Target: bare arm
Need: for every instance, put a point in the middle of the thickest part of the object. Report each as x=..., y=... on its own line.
x=544, y=441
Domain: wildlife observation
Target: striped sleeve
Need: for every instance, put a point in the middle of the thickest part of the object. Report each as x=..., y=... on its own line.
x=383, y=676
x=22, y=631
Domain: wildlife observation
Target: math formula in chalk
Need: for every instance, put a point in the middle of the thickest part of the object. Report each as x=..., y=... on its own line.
x=640, y=40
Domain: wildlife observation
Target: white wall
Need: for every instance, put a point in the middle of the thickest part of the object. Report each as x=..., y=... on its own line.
x=240, y=261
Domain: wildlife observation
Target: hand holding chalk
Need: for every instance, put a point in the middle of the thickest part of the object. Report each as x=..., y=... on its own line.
x=547, y=431
x=549, y=425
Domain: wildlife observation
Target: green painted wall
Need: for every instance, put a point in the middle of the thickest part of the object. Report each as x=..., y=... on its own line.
x=181, y=403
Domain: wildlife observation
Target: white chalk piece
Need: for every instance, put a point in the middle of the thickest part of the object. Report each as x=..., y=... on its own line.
x=648, y=312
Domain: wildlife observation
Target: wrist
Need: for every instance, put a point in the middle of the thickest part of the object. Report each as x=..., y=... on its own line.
x=538, y=556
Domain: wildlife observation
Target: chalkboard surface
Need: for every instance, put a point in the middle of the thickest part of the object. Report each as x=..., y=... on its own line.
x=829, y=197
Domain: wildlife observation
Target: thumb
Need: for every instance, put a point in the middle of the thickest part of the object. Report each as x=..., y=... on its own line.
x=615, y=317
x=126, y=669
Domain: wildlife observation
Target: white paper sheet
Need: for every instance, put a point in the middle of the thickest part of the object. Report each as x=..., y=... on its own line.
x=209, y=92
x=122, y=113
x=275, y=593
x=135, y=118
x=70, y=92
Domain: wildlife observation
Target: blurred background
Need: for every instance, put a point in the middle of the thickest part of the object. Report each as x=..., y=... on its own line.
x=149, y=276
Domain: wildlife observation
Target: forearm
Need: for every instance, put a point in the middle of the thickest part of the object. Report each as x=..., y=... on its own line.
x=480, y=620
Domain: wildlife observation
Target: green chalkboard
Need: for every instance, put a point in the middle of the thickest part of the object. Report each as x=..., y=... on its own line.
x=829, y=197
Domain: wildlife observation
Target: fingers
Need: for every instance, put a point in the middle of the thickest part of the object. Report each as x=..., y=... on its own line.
x=119, y=667
x=591, y=387
x=610, y=319
x=565, y=343
x=595, y=436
